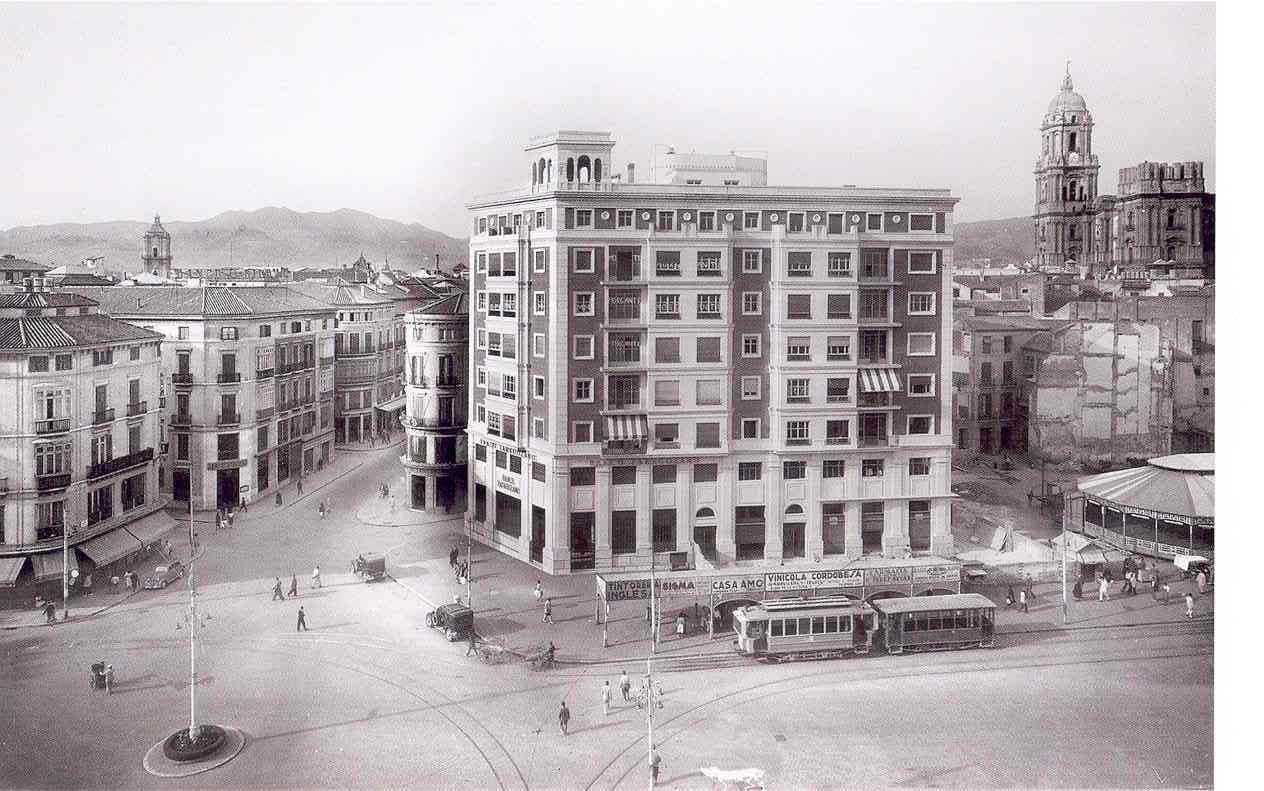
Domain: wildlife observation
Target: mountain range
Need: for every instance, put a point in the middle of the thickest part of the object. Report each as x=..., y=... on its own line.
x=264, y=237
x=282, y=237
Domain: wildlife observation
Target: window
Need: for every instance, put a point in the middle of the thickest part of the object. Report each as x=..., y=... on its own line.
x=664, y=529
x=797, y=432
x=481, y=306
x=581, y=431
x=833, y=468
x=797, y=349
x=709, y=264
x=541, y=261
x=583, y=261
x=1007, y=344
x=583, y=347
x=749, y=471
x=667, y=350
x=133, y=353
x=706, y=221
x=667, y=306
x=708, y=306
x=873, y=222
x=667, y=392
x=919, y=424
x=873, y=264
x=584, y=303
x=921, y=263
x=921, y=385
x=182, y=333
x=837, y=390
x=798, y=264
x=622, y=476
x=837, y=432
x=707, y=435
x=705, y=473
x=539, y=219
x=921, y=304
x=537, y=430
x=583, y=476
x=537, y=471
x=708, y=349
x=838, y=306
x=794, y=470
x=797, y=391
x=667, y=435
x=750, y=220
x=623, y=218
x=919, y=465
x=583, y=390
x=583, y=218
x=537, y=344
x=38, y=364
x=986, y=347
x=509, y=305
x=64, y=362
x=509, y=387
x=52, y=459
x=752, y=261
x=919, y=535
x=538, y=386
x=794, y=221
x=228, y=333
x=182, y=447
x=921, y=222
x=750, y=428
x=799, y=306
x=751, y=388
x=840, y=264
x=751, y=345
x=921, y=344
x=667, y=263
x=837, y=347
x=666, y=220
x=751, y=303
x=99, y=357
x=541, y=302
x=622, y=532
x=871, y=468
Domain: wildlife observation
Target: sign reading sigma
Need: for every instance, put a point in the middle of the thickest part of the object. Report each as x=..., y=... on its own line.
x=815, y=580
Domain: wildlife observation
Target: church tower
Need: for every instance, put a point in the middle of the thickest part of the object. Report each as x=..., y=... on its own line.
x=1066, y=182
x=155, y=255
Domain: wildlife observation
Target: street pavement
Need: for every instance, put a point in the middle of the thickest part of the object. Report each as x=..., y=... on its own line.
x=370, y=697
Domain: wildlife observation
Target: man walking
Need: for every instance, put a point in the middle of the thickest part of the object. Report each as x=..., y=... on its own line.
x=316, y=577
x=605, y=698
x=1202, y=582
x=276, y=591
x=1189, y=605
x=302, y=621
x=470, y=648
x=625, y=685
x=293, y=585
x=300, y=487
x=539, y=591
x=452, y=557
x=1022, y=600
x=655, y=762
x=1103, y=589
x=563, y=717
x=548, y=611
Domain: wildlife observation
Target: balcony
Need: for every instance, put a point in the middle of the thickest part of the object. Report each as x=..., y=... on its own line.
x=182, y=378
x=415, y=422
x=112, y=466
x=229, y=418
x=102, y=416
x=874, y=317
x=873, y=441
x=264, y=414
x=874, y=274
x=138, y=408
x=264, y=373
x=228, y=378
x=839, y=440
x=181, y=419
x=326, y=361
x=47, y=483
x=57, y=425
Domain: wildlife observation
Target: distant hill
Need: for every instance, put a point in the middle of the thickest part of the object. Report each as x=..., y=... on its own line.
x=1007, y=241
x=264, y=237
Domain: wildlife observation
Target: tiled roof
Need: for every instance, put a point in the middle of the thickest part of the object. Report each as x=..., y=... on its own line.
x=11, y=263
x=43, y=299
x=341, y=293
x=206, y=301
x=63, y=332
x=82, y=279
x=452, y=305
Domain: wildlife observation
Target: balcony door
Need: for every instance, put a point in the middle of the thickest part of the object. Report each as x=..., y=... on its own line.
x=102, y=398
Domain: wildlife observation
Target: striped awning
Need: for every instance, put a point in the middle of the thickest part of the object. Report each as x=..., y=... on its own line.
x=10, y=568
x=879, y=380
x=48, y=566
x=626, y=428
x=110, y=547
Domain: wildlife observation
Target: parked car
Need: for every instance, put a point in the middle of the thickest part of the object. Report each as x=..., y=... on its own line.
x=164, y=575
x=456, y=621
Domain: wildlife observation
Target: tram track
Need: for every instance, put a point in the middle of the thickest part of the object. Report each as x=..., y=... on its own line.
x=670, y=726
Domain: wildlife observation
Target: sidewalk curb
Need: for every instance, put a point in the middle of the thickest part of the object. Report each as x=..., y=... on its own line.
x=74, y=619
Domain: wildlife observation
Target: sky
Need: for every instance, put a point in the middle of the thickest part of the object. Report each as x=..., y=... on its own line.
x=407, y=112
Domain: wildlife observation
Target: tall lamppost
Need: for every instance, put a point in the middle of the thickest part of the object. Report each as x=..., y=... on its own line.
x=79, y=504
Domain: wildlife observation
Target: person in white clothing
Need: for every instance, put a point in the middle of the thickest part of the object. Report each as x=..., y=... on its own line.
x=316, y=577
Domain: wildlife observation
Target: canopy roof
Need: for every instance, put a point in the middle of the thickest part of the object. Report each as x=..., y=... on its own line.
x=1183, y=484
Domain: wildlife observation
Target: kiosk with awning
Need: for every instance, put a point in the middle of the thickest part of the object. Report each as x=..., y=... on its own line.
x=879, y=380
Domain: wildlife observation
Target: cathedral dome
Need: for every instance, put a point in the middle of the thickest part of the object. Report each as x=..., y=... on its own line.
x=1067, y=99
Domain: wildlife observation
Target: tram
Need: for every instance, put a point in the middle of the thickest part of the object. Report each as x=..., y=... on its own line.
x=926, y=623
x=786, y=629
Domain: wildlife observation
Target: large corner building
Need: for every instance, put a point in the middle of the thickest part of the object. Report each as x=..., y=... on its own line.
x=707, y=370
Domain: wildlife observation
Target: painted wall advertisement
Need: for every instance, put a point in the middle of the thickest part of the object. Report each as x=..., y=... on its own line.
x=816, y=579
x=727, y=585
x=507, y=483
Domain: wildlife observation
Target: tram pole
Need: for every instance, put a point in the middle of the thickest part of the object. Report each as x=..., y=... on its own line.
x=1066, y=508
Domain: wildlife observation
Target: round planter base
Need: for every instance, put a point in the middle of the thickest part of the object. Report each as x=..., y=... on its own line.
x=174, y=756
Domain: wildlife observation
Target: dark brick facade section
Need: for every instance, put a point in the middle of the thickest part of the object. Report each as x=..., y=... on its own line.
x=746, y=325
x=538, y=366
x=917, y=365
x=585, y=325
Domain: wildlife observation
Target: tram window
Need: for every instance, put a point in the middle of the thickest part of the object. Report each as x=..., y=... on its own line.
x=963, y=622
x=774, y=628
x=910, y=623
x=933, y=621
x=844, y=623
x=805, y=626
x=792, y=627
x=818, y=625
x=831, y=624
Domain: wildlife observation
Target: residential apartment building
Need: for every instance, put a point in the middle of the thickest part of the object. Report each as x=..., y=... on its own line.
x=369, y=350
x=726, y=373
x=435, y=456
x=79, y=427
x=248, y=377
x=15, y=271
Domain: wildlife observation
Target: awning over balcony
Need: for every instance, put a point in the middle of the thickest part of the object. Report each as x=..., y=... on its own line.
x=47, y=566
x=152, y=527
x=110, y=547
x=394, y=404
x=879, y=380
x=10, y=568
x=627, y=428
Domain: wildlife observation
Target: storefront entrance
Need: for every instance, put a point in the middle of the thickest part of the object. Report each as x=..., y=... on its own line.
x=226, y=492
x=537, y=534
x=418, y=487
x=583, y=546
x=180, y=484
x=508, y=514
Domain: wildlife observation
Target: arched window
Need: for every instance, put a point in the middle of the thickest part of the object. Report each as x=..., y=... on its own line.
x=1171, y=218
x=1171, y=252
x=596, y=170
x=535, y=174
x=584, y=165
x=550, y=171
x=1130, y=220
x=1071, y=142
x=794, y=509
x=704, y=513
x=543, y=180
x=570, y=169
x=155, y=252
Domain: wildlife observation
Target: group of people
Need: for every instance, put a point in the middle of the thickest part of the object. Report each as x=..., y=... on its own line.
x=224, y=518
x=459, y=567
x=1024, y=598
x=548, y=603
x=278, y=595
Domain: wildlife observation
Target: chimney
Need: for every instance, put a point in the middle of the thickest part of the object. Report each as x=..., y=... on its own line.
x=436, y=262
x=631, y=172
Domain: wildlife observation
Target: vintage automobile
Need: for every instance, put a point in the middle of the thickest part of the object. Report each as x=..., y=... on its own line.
x=164, y=575
x=369, y=566
x=456, y=621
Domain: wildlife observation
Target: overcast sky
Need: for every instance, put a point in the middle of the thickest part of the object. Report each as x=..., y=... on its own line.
x=115, y=112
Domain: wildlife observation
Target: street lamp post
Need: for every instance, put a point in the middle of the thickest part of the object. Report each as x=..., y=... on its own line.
x=77, y=499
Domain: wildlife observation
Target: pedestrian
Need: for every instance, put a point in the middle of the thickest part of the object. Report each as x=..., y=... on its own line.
x=563, y=717
x=548, y=611
x=452, y=557
x=114, y=583
x=1022, y=600
x=1103, y=589
x=539, y=591
x=316, y=577
x=231, y=516
x=50, y=613
x=624, y=685
x=1167, y=592
x=243, y=505
x=293, y=585
x=680, y=624
x=655, y=762
x=219, y=516
x=1031, y=496
x=392, y=504
x=1077, y=590
x=1009, y=597
x=278, y=498
x=276, y=591
x=1189, y=605
x=300, y=487
x=386, y=487
x=605, y=698
x=1202, y=582
x=470, y=648
x=302, y=621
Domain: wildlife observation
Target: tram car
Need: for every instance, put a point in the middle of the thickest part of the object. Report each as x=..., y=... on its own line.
x=786, y=629
x=927, y=623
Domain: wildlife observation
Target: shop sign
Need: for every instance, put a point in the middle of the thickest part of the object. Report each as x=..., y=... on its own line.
x=231, y=464
x=506, y=483
x=895, y=575
x=627, y=590
x=668, y=587
x=816, y=579
x=936, y=574
x=748, y=583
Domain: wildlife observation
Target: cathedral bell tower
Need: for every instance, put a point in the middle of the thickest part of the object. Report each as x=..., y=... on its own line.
x=1066, y=182
x=155, y=254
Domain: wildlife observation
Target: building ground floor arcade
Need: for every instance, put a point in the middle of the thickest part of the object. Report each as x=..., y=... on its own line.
x=600, y=513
